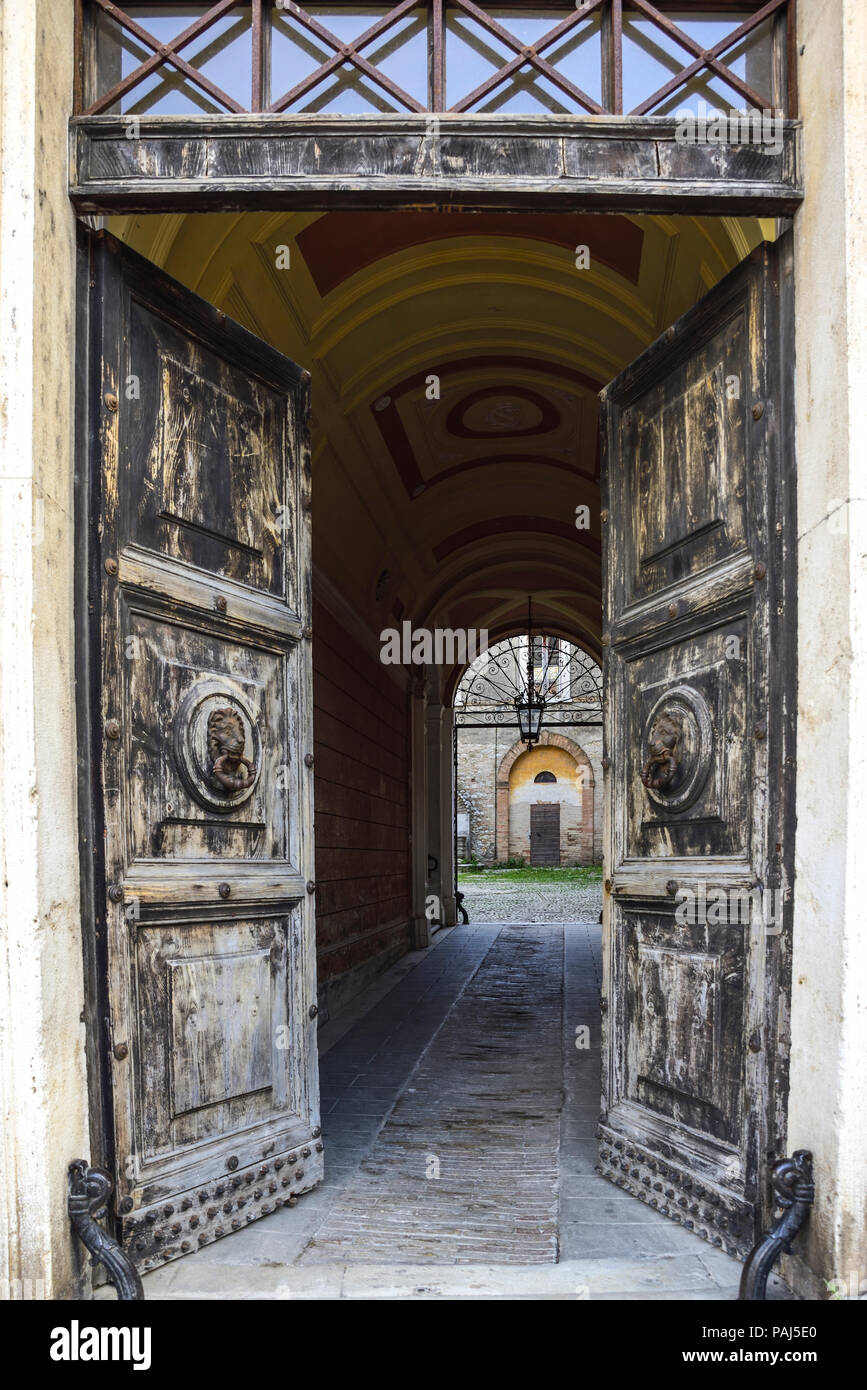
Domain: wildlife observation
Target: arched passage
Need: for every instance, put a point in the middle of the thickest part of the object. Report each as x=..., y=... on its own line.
x=456, y=361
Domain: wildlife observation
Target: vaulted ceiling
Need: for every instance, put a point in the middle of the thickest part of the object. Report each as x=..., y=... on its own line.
x=456, y=360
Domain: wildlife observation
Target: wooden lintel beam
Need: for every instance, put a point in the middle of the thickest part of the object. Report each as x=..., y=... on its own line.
x=266, y=161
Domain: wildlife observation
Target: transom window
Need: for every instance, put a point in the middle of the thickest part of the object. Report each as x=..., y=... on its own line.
x=544, y=777
x=559, y=58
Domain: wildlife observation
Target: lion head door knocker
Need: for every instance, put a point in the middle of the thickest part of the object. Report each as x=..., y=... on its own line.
x=218, y=747
x=662, y=772
x=227, y=739
x=677, y=748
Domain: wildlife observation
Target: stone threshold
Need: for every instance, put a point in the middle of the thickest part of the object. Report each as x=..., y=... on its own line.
x=701, y=1277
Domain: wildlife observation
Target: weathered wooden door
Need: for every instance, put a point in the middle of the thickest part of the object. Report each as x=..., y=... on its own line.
x=545, y=834
x=196, y=741
x=699, y=528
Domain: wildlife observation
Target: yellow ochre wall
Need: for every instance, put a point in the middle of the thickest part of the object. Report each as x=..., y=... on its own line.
x=573, y=790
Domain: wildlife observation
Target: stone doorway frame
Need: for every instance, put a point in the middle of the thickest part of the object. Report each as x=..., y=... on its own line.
x=42, y=1062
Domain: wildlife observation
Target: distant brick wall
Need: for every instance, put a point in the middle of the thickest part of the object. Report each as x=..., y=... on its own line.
x=362, y=813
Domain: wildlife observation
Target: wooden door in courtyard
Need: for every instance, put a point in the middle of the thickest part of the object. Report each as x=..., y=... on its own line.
x=545, y=834
x=197, y=816
x=699, y=544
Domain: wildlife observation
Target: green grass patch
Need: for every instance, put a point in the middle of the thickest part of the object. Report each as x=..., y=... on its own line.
x=588, y=877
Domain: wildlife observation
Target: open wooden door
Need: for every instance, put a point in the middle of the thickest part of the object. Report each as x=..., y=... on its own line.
x=699, y=547
x=196, y=735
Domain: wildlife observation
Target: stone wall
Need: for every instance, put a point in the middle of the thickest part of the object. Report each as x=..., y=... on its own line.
x=828, y=1081
x=43, y=1086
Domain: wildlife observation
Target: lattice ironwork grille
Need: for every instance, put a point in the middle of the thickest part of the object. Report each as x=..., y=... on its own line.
x=564, y=676
x=598, y=57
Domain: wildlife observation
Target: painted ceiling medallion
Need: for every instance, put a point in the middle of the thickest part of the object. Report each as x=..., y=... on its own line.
x=505, y=415
x=497, y=411
x=217, y=746
x=678, y=748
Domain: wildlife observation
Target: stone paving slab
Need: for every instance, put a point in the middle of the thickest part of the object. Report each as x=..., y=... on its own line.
x=466, y=1166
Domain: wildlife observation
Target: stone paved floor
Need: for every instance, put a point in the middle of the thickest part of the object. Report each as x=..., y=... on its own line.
x=465, y=1168
x=476, y=1034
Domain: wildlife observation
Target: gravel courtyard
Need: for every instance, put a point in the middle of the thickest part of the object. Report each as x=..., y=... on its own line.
x=532, y=895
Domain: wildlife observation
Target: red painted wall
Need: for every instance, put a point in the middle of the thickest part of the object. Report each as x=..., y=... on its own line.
x=361, y=787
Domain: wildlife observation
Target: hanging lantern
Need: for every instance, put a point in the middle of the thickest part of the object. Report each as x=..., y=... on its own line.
x=530, y=713
x=529, y=705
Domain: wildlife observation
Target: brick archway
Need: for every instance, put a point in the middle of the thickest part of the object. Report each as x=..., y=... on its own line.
x=507, y=762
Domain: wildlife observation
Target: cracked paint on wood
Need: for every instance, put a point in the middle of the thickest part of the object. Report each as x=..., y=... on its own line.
x=199, y=598
x=699, y=669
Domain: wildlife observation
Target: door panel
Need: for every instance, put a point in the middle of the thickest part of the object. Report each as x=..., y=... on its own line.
x=200, y=739
x=690, y=676
x=208, y=474
x=176, y=812
x=699, y=547
x=685, y=439
x=545, y=834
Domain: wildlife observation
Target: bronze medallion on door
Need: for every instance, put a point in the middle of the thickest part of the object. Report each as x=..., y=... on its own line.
x=678, y=746
x=217, y=745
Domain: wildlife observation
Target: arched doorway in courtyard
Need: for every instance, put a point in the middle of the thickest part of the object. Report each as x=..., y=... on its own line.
x=556, y=772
